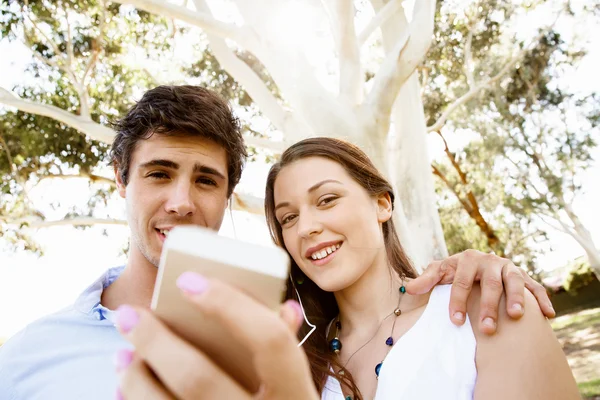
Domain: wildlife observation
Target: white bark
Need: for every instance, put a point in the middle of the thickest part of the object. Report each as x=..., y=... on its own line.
x=584, y=238
x=36, y=223
x=412, y=177
x=386, y=11
x=402, y=59
x=256, y=88
x=417, y=216
x=206, y=22
x=341, y=16
x=293, y=74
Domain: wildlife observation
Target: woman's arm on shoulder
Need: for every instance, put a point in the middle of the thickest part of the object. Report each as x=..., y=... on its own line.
x=523, y=360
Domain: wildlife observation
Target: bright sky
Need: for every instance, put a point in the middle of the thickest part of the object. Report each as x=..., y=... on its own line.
x=31, y=287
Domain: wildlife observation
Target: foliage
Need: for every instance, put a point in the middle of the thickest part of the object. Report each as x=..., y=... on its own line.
x=90, y=58
x=580, y=275
x=527, y=138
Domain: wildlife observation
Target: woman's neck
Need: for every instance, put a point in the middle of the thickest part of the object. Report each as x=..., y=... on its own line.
x=364, y=304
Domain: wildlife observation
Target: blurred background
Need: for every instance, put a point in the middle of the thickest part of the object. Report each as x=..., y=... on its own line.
x=505, y=147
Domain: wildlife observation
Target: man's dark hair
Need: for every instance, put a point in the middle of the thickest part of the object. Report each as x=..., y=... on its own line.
x=180, y=111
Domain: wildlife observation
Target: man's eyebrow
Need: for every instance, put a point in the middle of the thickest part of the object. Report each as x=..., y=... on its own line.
x=198, y=168
x=203, y=169
x=160, y=163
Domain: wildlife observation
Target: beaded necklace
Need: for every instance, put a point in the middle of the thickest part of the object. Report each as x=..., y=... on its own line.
x=335, y=344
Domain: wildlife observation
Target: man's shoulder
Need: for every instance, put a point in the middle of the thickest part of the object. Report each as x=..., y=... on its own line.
x=37, y=328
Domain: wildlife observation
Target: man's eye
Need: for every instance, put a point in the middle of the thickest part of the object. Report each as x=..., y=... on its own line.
x=158, y=175
x=207, y=181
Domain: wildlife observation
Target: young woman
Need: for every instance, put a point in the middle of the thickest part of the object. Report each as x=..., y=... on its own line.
x=330, y=208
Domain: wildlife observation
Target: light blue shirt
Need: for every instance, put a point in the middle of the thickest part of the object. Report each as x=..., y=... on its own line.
x=68, y=355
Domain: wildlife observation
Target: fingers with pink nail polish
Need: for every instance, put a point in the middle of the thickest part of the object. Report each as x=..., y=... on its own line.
x=192, y=283
x=123, y=358
x=127, y=318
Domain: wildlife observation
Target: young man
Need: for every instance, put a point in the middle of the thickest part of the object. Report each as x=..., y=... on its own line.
x=178, y=154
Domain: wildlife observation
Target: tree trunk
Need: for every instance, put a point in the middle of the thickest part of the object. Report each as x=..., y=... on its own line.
x=410, y=171
x=584, y=238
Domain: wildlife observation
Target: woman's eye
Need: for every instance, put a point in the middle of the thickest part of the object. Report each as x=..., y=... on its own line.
x=327, y=200
x=287, y=219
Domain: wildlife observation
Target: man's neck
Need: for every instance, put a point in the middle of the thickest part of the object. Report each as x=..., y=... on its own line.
x=134, y=286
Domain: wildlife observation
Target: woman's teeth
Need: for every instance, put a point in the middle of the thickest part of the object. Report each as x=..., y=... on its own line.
x=164, y=232
x=318, y=255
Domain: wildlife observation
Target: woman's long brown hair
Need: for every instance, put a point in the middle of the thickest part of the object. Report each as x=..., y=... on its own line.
x=320, y=306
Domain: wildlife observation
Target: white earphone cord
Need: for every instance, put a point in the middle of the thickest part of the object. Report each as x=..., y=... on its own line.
x=304, y=315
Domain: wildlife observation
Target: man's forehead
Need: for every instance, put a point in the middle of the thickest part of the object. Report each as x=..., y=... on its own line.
x=185, y=149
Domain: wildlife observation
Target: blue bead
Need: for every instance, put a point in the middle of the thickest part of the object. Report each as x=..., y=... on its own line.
x=335, y=345
x=378, y=368
x=348, y=397
x=389, y=341
x=402, y=289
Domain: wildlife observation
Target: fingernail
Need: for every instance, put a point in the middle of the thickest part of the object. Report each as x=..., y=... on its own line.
x=127, y=318
x=123, y=358
x=297, y=309
x=118, y=395
x=517, y=308
x=459, y=316
x=489, y=322
x=192, y=283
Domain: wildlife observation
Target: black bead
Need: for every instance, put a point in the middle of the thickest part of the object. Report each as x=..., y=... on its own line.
x=335, y=345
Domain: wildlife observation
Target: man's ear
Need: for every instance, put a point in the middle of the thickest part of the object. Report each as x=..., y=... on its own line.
x=120, y=184
x=384, y=207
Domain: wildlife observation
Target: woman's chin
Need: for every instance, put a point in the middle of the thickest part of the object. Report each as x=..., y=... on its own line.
x=333, y=283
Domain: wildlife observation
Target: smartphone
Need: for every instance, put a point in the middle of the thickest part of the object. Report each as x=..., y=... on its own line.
x=259, y=271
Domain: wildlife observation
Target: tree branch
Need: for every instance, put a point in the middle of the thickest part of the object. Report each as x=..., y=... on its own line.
x=436, y=171
x=8, y=155
x=410, y=48
x=269, y=105
x=70, y=56
x=202, y=20
x=390, y=8
x=276, y=147
x=468, y=63
x=478, y=88
x=96, y=44
x=341, y=17
x=85, y=125
x=93, y=178
x=36, y=223
x=57, y=51
x=248, y=203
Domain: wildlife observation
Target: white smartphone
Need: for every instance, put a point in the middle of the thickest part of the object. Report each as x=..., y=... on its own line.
x=259, y=271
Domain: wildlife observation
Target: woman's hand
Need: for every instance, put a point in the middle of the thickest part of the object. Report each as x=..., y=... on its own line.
x=496, y=276
x=164, y=366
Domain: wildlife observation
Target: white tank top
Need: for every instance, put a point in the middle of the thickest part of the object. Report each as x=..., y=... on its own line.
x=433, y=360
